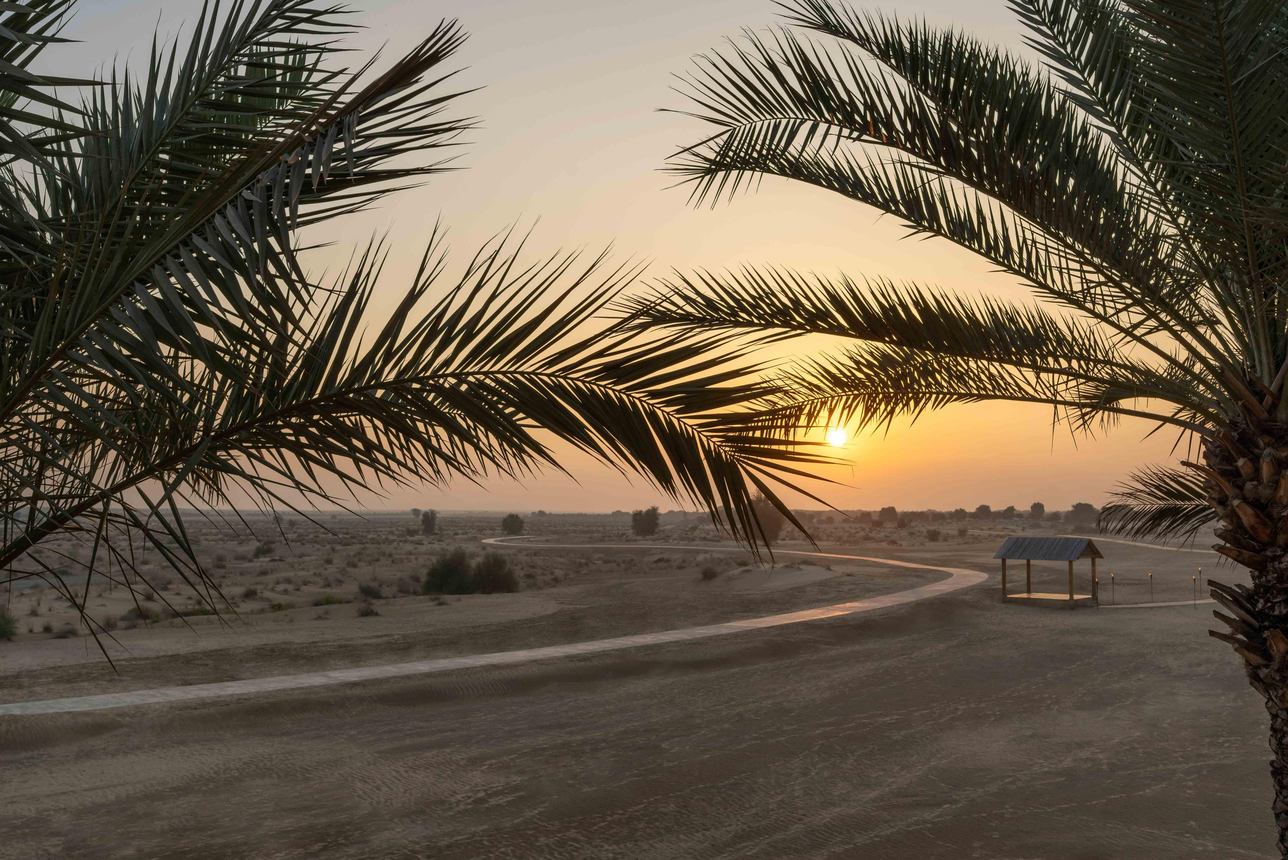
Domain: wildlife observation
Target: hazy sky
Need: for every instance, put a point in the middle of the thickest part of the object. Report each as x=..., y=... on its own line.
x=571, y=140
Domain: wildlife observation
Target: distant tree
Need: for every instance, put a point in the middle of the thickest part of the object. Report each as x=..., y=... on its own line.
x=512, y=524
x=644, y=523
x=1083, y=513
x=1010, y=512
x=428, y=522
x=888, y=516
x=771, y=519
x=983, y=512
x=415, y=513
x=1037, y=511
x=959, y=513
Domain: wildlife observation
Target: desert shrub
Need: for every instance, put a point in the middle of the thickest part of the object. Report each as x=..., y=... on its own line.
x=109, y=622
x=933, y=535
x=512, y=524
x=65, y=632
x=710, y=572
x=644, y=523
x=264, y=548
x=8, y=627
x=407, y=585
x=194, y=612
x=962, y=531
x=250, y=593
x=279, y=607
x=366, y=610
x=371, y=591
x=141, y=613
x=771, y=519
x=492, y=574
x=329, y=600
x=450, y=573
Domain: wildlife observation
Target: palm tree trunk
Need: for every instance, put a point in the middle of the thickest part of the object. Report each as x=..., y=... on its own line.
x=1248, y=486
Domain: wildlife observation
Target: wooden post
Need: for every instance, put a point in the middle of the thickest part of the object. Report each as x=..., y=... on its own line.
x=1028, y=575
x=1003, y=580
x=1071, y=582
x=1095, y=583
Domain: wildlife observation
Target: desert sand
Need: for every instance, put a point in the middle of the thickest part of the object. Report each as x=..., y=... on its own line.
x=955, y=727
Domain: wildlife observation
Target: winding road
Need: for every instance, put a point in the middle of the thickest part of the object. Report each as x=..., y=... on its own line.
x=958, y=578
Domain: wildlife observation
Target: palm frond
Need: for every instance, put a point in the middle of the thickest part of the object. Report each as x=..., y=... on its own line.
x=875, y=384
x=1158, y=503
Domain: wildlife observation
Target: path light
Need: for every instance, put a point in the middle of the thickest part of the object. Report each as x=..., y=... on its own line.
x=1200, y=576
x=1112, y=596
x=1194, y=581
x=1151, y=587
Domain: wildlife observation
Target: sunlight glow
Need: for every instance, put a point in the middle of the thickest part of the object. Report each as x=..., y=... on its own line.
x=837, y=437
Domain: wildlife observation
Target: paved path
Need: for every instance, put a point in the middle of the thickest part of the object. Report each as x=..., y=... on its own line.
x=958, y=578
x=1100, y=539
x=1156, y=605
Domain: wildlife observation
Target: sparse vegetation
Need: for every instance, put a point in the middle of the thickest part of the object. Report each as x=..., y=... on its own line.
x=449, y=573
x=455, y=573
x=644, y=523
x=492, y=574
x=770, y=518
x=141, y=613
x=428, y=522
x=8, y=626
x=709, y=572
x=371, y=591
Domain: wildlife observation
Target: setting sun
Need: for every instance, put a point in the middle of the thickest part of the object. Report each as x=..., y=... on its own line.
x=836, y=437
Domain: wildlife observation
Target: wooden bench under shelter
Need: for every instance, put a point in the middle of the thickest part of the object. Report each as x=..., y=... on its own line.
x=1066, y=549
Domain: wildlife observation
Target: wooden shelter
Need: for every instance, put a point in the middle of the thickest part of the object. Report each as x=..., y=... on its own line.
x=1066, y=549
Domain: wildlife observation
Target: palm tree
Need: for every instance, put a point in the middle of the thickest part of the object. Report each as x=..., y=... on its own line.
x=1134, y=179
x=167, y=347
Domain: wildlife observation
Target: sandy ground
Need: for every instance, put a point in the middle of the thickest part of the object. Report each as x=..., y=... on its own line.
x=957, y=727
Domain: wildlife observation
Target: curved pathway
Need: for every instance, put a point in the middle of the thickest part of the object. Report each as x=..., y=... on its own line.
x=958, y=578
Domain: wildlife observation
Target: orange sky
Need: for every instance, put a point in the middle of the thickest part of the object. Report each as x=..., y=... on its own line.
x=571, y=139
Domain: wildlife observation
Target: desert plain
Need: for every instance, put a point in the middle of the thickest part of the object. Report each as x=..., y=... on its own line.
x=955, y=726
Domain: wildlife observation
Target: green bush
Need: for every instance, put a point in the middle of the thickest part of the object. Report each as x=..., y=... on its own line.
x=450, y=573
x=8, y=627
x=141, y=613
x=644, y=523
x=371, y=591
x=454, y=573
x=492, y=575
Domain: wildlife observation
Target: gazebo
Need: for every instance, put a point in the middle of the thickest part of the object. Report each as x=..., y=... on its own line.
x=1066, y=549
